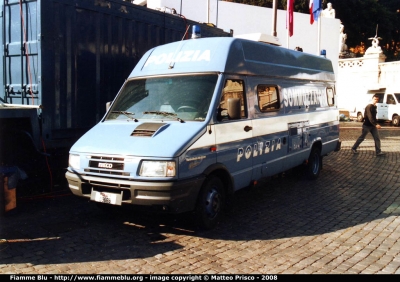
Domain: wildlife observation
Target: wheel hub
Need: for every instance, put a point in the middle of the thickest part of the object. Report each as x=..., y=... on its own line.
x=213, y=202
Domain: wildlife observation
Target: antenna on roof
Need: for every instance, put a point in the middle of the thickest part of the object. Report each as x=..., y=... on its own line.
x=172, y=63
x=185, y=32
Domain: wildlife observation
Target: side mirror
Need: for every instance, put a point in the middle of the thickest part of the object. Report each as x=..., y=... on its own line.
x=234, y=108
x=108, y=104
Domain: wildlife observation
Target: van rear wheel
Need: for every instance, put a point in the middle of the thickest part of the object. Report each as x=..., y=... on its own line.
x=210, y=203
x=314, y=164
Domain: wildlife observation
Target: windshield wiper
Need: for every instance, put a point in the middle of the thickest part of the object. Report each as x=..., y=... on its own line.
x=166, y=114
x=125, y=113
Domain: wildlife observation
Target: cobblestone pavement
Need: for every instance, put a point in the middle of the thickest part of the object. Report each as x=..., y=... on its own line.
x=347, y=221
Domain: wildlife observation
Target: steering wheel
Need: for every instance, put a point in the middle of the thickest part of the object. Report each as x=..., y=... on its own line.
x=185, y=108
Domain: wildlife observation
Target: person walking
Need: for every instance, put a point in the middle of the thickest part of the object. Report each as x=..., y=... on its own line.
x=370, y=125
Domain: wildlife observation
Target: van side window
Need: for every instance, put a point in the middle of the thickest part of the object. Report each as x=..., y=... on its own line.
x=390, y=99
x=233, y=91
x=330, y=96
x=268, y=98
x=397, y=97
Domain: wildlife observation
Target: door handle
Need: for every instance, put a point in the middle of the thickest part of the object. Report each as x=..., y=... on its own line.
x=247, y=128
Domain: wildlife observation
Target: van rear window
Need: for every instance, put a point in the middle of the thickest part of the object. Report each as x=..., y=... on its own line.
x=268, y=98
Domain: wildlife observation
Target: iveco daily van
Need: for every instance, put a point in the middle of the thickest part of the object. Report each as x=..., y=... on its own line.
x=201, y=118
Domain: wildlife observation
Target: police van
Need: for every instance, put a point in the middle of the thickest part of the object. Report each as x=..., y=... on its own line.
x=202, y=118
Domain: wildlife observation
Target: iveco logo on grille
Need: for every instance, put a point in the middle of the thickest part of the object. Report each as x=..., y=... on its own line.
x=105, y=165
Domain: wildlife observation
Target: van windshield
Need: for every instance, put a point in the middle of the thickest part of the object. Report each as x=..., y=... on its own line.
x=186, y=98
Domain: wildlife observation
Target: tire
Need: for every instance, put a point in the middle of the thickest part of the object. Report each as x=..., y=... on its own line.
x=360, y=117
x=210, y=203
x=396, y=121
x=314, y=164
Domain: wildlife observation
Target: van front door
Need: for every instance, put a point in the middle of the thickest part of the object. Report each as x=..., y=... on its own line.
x=392, y=106
x=233, y=133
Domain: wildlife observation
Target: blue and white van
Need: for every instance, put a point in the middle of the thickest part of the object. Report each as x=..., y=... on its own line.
x=199, y=119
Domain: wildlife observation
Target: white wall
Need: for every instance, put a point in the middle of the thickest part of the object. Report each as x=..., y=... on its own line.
x=358, y=75
x=390, y=74
x=243, y=19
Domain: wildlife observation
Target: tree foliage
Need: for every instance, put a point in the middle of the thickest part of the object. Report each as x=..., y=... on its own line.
x=362, y=19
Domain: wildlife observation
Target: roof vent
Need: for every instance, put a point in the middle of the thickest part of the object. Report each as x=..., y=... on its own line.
x=139, y=2
x=261, y=37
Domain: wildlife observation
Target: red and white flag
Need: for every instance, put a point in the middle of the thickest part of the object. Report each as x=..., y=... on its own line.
x=289, y=17
x=311, y=5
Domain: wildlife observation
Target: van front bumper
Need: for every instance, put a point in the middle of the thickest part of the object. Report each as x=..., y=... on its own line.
x=174, y=197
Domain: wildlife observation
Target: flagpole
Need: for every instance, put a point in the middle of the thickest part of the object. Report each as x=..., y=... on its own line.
x=287, y=34
x=319, y=35
x=287, y=24
x=274, y=8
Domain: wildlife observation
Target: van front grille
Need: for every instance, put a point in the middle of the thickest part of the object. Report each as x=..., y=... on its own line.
x=110, y=172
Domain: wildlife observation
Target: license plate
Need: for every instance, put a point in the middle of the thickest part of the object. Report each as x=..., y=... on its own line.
x=106, y=197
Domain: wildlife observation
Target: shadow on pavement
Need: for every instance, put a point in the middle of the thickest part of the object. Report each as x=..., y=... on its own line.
x=351, y=190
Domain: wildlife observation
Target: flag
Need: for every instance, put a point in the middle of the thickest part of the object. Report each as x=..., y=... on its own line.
x=289, y=17
x=311, y=11
x=316, y=9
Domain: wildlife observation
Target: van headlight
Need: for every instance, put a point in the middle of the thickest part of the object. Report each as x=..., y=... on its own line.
x=74, y=161
x=157, y=169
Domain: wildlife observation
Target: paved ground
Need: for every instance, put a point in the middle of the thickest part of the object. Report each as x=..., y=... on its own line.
x=347, y=221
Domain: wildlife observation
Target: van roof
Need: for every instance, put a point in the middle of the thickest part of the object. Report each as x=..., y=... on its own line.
x=232, y=55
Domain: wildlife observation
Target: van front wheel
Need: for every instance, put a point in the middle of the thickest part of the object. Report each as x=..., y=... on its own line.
x=360, y=117
x=314, y=164
x=396, y=121
x=210, y=203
